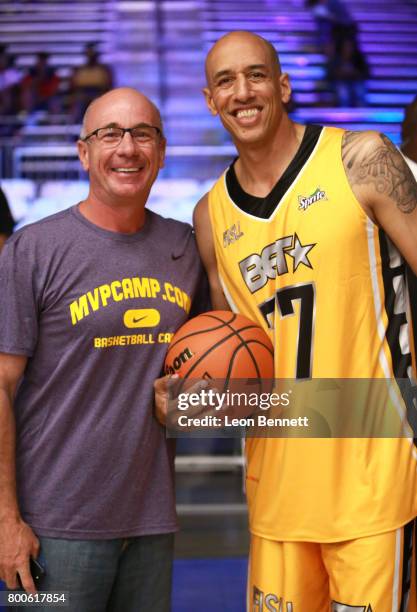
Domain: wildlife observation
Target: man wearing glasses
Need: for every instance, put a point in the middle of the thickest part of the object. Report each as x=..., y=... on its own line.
x=89, y=299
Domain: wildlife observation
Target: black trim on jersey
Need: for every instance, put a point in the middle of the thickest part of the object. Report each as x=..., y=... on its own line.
x=265, y=207
x=400, y=362
x=407, y=564
x=412, y=292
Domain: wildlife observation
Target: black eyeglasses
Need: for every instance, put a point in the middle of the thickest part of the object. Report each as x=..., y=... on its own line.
x=112, y=136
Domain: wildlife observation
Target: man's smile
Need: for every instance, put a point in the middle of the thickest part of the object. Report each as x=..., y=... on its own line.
x=127, y=170
x=246, y=112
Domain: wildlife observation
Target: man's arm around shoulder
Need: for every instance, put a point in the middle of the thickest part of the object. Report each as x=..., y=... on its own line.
x=204, y=237
x=17, y=540
x=384, y=186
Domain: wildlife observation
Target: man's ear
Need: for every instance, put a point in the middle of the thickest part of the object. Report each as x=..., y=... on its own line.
x=285, y=86
x=209, y=101
x=162, y=151
x=83, y=154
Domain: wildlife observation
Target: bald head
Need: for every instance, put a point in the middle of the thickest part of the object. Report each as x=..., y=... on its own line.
x=128, y=98
x=234, y=40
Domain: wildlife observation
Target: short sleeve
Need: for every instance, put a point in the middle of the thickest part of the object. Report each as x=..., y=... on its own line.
x=18, y=302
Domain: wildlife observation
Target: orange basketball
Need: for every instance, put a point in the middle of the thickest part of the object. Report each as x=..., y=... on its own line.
x=220, y=344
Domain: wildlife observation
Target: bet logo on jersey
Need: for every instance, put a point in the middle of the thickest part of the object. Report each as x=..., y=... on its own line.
x=272, y=261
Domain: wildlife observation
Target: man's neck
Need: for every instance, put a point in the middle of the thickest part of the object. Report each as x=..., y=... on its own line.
x=259, y=167
x=123, y=218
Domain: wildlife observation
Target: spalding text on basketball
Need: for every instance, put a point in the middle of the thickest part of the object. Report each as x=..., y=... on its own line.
x=272, y=261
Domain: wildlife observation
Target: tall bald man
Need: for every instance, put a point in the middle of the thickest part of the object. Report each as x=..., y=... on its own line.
x=89, y=298
x=319, y=211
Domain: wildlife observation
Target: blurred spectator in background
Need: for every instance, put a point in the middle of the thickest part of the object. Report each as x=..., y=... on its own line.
x=10, y=78
x=346, y=65
x=334, y=24
x=88, y=82
x=39, y=88
x=409, y=136
x=347, y=72
x=6, y=220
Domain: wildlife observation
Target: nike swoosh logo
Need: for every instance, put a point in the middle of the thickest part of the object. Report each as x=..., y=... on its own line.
x=175, y=257
x=140, y=319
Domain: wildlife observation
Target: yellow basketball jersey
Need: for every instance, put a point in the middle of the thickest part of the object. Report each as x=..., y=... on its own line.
x=328, y=287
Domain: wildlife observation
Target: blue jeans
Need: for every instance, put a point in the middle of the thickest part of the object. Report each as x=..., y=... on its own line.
x=124, y=575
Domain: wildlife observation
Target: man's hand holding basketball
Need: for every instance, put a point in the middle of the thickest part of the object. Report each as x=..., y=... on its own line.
x=163, y=400
x=166, y=401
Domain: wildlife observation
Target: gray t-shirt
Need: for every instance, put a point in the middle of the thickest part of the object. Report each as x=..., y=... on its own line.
x=94, y=310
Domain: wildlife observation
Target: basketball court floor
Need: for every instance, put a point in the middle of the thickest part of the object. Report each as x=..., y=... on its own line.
x=207, y=585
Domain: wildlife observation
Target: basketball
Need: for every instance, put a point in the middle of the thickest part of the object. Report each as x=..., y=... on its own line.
x=220, y=344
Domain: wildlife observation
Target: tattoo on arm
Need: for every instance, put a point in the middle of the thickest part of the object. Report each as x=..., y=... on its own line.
x=378, y=163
